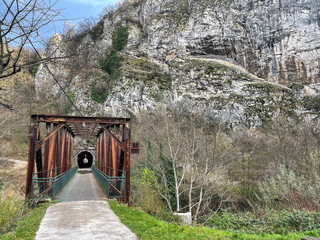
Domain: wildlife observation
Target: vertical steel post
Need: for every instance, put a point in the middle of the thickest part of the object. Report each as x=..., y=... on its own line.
x=105, y=152
x=71, y=151
x=114, y=163
x=62, y=152
x=39, y=162
x=31, y=154
x=110, y=156
x=100, y=152
x=58, y=152
x=68, y=150
x=46, y=152
x=126, y=148
x=117, y=147
x=121, y=164
x=55, y=152
x=98, y=146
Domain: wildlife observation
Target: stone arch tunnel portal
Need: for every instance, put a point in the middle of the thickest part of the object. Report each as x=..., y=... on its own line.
x=85, y=159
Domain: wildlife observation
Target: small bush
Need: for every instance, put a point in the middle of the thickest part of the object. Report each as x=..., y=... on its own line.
x=35, y=70
x=282, y=222
x=98, y=94
x=146, y=196
x=27, y=227
x=120, y=38
x=168, y=216
x=113, y=64
x=11, y=210
x=288, y=188
x=312, y=103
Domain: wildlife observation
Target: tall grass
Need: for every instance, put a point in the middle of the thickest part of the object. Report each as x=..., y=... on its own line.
x=149, y=227
x=11, y=211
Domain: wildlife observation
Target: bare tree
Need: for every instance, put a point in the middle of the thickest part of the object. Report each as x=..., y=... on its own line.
x=190, y=162
x=109, y=9
x=22, y=23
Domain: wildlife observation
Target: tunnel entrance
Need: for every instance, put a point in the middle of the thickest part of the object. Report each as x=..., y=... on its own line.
x=85, y=159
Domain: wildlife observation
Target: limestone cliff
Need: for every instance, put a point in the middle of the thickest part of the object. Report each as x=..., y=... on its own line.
x=240, y=61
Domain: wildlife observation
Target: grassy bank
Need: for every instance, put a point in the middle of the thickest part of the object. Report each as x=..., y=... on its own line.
x=27, y=228
x=281, y=222
x=148, y=227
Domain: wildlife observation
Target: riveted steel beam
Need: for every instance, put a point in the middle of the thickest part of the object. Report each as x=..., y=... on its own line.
x=32, y=152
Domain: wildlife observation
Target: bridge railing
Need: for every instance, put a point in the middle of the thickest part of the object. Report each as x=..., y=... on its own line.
x=113, y=187
x=50, y=187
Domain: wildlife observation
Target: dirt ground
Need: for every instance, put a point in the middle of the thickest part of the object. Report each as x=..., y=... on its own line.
x=13, y=177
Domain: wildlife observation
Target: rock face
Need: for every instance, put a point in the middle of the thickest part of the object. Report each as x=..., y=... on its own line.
x=44, y=81
x=239, y=61
x=215, y=89
x=278, y=40
x=74, y=83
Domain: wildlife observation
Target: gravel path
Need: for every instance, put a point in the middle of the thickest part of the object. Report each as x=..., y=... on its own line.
x=13, y=160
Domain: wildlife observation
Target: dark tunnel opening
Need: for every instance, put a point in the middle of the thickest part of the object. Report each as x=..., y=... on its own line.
x=85, y=159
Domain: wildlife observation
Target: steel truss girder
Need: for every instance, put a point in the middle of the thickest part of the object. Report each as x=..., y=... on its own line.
x=113, y=150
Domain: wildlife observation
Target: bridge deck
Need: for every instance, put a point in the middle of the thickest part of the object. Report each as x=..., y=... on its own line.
x=82, y=187
x=83, y=214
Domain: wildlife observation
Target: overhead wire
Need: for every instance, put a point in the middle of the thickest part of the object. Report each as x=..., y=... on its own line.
x=48, y=69
x=54, y=77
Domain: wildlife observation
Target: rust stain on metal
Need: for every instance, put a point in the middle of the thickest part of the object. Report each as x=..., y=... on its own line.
x=58, y=146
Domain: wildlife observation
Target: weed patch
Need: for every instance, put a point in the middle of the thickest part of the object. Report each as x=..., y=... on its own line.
x=11, y=210
x=274, y=222
x=27, y=228
x=148, y=227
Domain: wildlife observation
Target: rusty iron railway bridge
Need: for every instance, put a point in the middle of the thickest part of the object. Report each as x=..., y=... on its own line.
x=71, y=142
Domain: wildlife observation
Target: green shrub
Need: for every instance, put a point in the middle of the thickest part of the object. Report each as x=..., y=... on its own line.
x=312, y=103
x=168, y=216
x=98, y=94
x=120, y=38
x=282, y=222
x=11, y=210
x=113, y=64
x=146, y=195
x=35, y=70
x=288, y=188
x=169, y=173
x=27, y=227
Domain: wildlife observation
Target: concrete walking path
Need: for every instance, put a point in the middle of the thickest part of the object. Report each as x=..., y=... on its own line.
x=82, y=187
x=82, y=221
x=83, y=214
